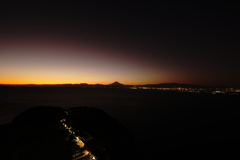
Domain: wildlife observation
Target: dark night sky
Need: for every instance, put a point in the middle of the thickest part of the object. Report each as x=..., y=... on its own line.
x=131, y=42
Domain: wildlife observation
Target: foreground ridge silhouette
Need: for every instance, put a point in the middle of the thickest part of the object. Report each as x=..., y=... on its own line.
x=79, y=133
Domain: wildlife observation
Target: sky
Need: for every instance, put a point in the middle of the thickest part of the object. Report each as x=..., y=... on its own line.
x=55, y=42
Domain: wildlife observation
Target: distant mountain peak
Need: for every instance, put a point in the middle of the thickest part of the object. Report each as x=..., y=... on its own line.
x=116, y=83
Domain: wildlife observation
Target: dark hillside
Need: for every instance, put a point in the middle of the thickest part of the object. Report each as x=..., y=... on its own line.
x=36, y=134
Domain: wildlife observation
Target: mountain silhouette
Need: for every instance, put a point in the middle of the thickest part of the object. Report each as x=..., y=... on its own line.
x=116, y=83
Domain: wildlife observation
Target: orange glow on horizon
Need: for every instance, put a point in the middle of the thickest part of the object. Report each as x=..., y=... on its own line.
x=62, y=83
x=103, y=82
x=52, y=61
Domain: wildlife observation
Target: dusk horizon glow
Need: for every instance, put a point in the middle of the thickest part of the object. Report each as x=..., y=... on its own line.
x=52, y=44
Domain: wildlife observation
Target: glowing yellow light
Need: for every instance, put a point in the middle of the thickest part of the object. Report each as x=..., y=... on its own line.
x=85, y=152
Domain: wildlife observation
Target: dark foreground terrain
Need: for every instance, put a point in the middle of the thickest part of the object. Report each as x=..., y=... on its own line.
x=163, y=124
x=39, y=133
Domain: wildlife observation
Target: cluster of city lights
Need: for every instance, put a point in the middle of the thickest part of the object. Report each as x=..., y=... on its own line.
x=77, y=144
x=223, y=91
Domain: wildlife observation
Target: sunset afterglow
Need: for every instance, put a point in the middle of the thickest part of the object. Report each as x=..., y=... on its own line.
x=93, y=46
x=38, y=63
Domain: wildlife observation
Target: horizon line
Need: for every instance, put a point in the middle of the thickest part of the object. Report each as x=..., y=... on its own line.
x=55, y=84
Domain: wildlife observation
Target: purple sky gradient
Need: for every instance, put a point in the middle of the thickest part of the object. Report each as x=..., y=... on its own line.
x=132, y=44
